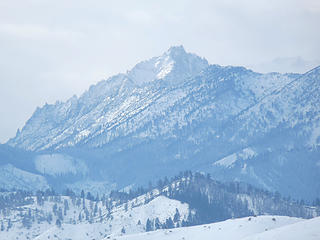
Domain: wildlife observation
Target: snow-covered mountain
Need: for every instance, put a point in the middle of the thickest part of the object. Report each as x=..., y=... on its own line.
x=146, y=103
x=103, y=112
x=176, y=112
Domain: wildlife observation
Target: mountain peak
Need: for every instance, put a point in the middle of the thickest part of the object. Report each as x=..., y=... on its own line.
x=176, y=50
x=174, y=66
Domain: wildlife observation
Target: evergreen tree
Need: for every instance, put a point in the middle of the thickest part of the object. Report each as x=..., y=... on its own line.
x=26, y=221
x=169, y=223
x=86, y=212
x=60, y=216
x=39, y=198
x=160, y=184
x=82, y=194
x=100, y=212
x=89, y=196
x=97, y=198
x=83, y=203
x=95, y=210
x=58, y=223
x=66, y=206
x=103, y=199
x=49, y=218
x=166, y=181
x=9, y=224
x=148, y=225
x=157, y=224
x=54, y=209
x=176, y=217
x=184, y=223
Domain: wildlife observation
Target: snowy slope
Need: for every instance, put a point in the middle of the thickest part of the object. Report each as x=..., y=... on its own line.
x=231, y=229
x=307, y=230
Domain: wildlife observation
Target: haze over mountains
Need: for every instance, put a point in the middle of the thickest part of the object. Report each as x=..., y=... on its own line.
x=173, y=113
x=286, y=64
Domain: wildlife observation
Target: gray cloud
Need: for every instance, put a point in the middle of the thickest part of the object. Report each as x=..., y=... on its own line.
x=51, y=50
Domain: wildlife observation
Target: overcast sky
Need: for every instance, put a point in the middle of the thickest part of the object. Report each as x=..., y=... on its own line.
x=51, y=50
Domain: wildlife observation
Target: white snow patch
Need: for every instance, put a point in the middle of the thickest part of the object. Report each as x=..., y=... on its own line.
x=248, y=199
x=83, y=134
x=244, y=169
x=229, y=160
x=165, y=69
x=247, y=153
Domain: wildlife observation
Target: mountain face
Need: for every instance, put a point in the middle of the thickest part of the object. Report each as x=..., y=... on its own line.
x=102, y=113
x=176, y=112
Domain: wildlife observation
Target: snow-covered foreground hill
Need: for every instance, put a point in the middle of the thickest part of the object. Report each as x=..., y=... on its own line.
x=121, y=221
x=306, y=230
x=187, y=200
x=64, y=217
x=249, y=228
